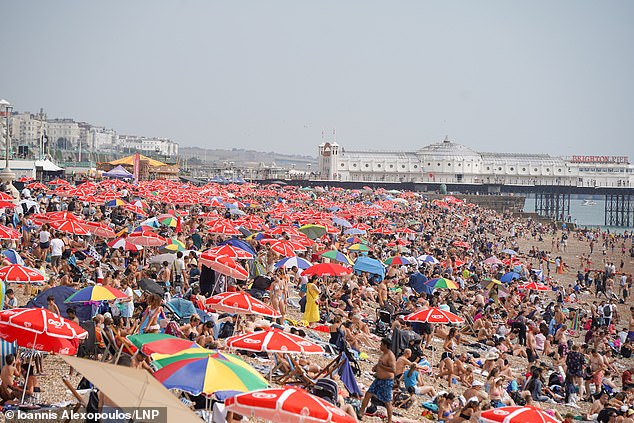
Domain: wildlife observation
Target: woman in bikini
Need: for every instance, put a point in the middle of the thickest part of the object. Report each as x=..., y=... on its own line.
x=153, y=311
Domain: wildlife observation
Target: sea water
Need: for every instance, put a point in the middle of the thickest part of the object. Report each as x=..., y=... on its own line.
x=590, y=216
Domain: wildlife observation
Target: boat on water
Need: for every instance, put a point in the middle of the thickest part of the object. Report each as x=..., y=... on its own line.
x=589, y=203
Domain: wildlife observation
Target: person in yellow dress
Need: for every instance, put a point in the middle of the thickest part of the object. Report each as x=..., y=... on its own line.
x=311, y=314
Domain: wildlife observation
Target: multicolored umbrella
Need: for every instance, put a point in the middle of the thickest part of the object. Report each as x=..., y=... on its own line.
x=21, y=274
x=490, y=283
x=206, y=372
x=115, y=203
x=397, y=261
x=95, y=293
x=289, y=262
x=337, y=256
x=290, y=404
x=241, y=303
x=516, y=414
x=442, y=283
x=433, y=315
x=160, y=343
x=359, y=247
x=327, y=269
x=173, y=245
x=273, y=340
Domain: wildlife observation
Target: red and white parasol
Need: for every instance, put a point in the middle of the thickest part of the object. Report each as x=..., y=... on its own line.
x=21, y=274
x=516, y=414
x=273, y=340
x=241, y=303
x=433, y=315
x=286, y=405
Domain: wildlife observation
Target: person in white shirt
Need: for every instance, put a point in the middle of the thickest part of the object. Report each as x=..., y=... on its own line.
x=57, y=248
x=45, y=242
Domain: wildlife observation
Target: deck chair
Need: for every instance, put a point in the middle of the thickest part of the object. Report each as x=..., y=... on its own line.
x=80, y=400
x=468, y=328
x=297, y=375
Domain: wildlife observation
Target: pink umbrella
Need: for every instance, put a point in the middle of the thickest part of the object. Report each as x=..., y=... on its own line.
x=146, y=239
x=99, y=229
x=225, y=265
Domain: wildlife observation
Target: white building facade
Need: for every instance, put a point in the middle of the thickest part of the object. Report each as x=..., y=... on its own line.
x=63, y=133
x=452, y=163
x=147, y=145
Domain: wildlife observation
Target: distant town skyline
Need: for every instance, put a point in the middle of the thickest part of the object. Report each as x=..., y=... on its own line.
x=537, y=77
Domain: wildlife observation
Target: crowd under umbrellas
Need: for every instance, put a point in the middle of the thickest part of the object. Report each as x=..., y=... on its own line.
x=271, y=270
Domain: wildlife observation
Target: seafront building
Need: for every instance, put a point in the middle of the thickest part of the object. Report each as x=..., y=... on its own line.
x=453, y=163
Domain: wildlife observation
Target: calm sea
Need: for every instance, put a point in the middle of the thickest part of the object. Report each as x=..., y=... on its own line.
x=585, y=215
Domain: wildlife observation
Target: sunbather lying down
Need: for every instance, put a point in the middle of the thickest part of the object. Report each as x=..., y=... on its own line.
x=312, y=370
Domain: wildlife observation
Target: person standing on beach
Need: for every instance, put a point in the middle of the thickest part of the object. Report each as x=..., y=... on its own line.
x=381, y=388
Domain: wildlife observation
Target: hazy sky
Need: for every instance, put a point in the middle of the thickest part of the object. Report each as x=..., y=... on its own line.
x=527, y=76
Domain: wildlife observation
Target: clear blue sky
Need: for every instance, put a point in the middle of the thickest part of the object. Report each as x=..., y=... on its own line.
x=512, y=76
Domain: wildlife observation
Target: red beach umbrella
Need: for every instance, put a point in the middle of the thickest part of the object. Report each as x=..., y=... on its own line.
x=327, y=269
x=41, y=330
x=534, y=286
x=241, y=303
x=231, y=251
x=9, y=233
x=69, y=226
x=286, y=405
x=99, y=229
x=433, y=315
x=515, y=414
x=273, y=340
x=21, y=274
x=127, y=246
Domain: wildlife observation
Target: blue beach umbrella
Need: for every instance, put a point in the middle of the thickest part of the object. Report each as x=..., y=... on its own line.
x=508, y=277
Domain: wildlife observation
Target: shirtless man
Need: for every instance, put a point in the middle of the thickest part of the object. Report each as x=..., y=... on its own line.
x=597, y=366
x=8, y=389
x=531, y=345
x=403, y=362
x=381, y=388
x=382, y=294
x=476, y=390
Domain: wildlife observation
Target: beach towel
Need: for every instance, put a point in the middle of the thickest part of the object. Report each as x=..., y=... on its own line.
x=6, y=348
x=347, y=377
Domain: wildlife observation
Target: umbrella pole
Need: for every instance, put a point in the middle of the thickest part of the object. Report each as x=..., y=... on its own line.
x=28, y=370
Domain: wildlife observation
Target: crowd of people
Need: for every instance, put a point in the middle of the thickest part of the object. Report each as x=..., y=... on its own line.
x=553, y=349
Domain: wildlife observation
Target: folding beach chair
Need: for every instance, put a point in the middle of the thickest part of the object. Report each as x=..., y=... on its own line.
x=297, y=375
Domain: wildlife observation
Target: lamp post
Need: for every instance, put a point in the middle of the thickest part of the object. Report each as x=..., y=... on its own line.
x=6, y=175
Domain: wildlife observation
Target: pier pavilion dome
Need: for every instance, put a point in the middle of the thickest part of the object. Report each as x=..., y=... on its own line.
x=448, y=151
